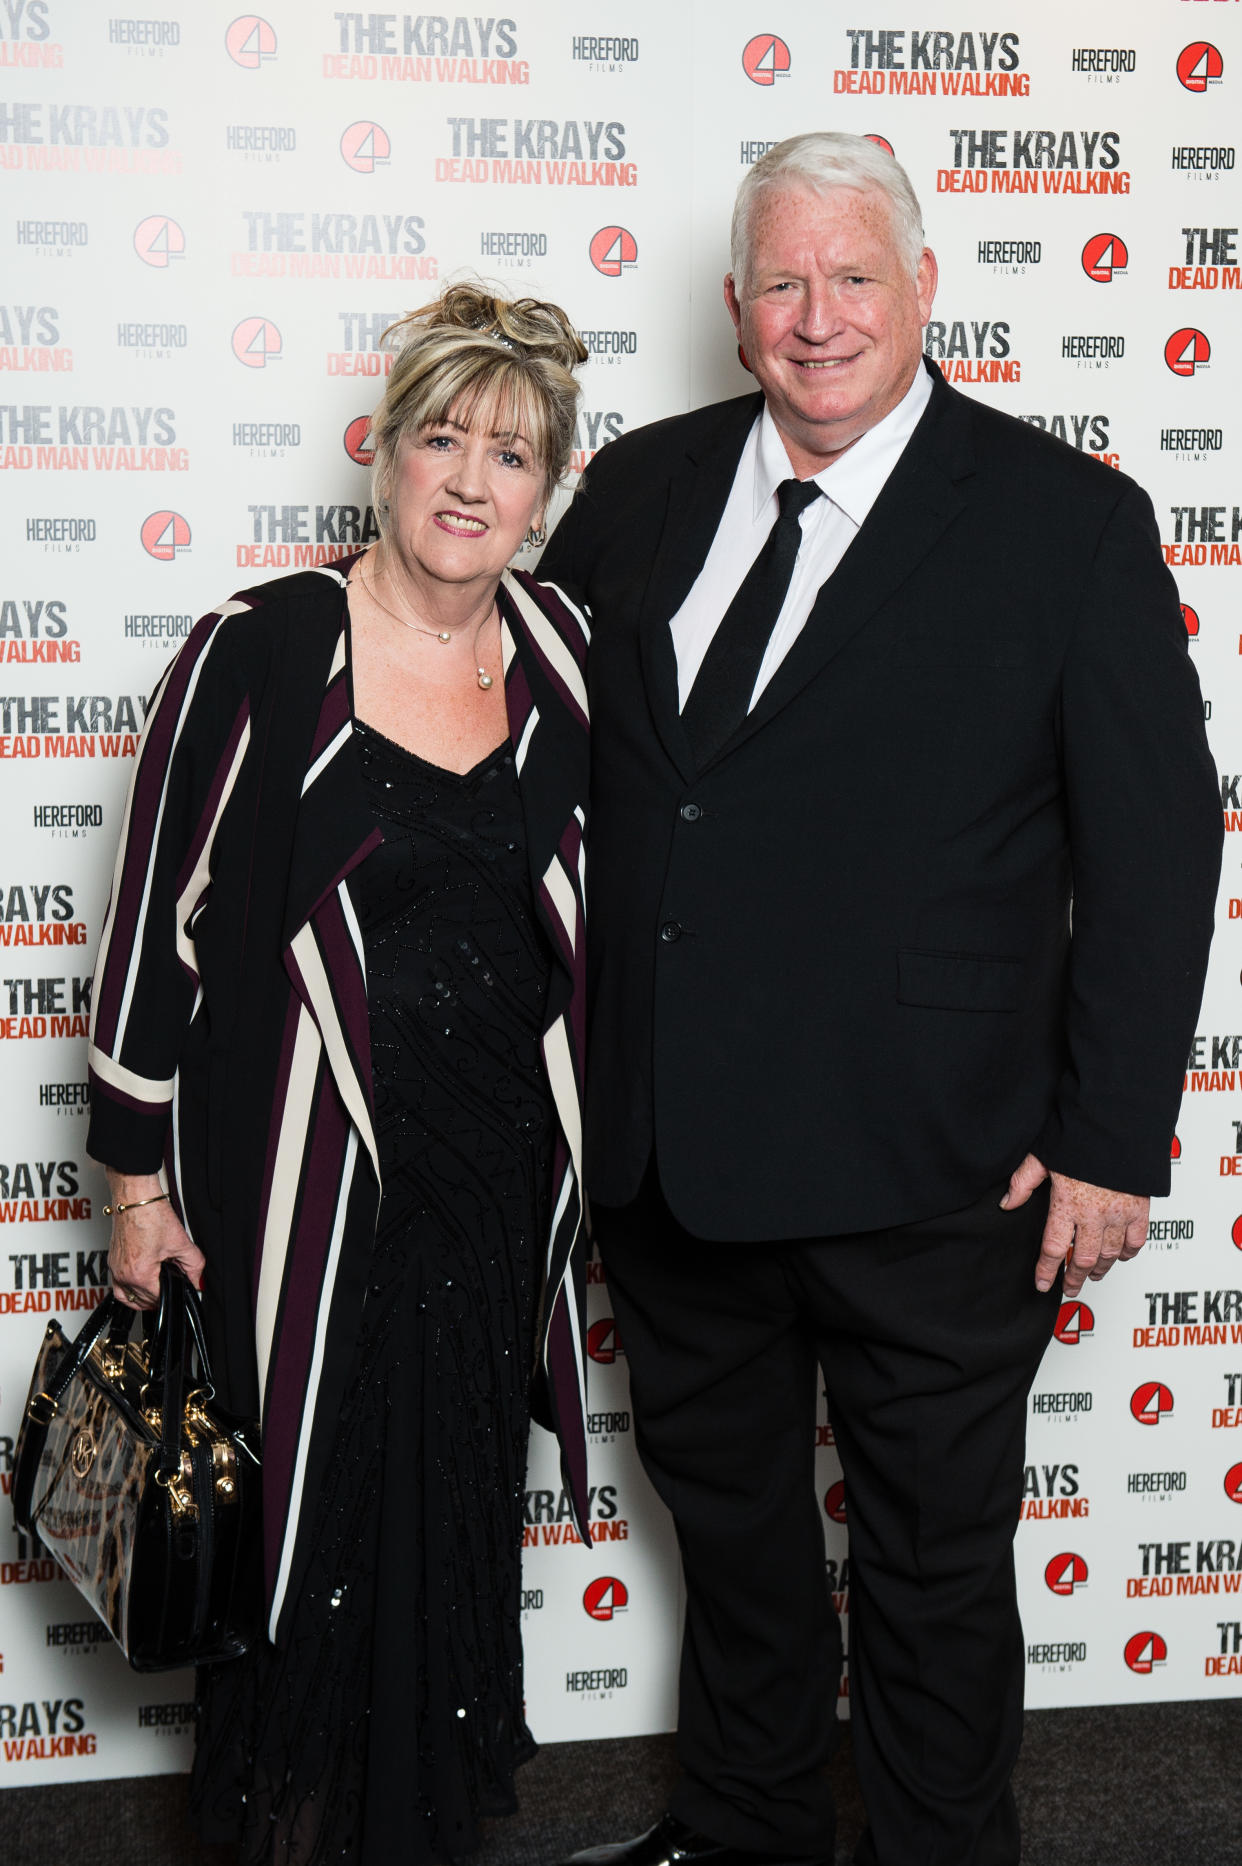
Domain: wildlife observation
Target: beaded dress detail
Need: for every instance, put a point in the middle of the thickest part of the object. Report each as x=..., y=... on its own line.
x=394, y=1719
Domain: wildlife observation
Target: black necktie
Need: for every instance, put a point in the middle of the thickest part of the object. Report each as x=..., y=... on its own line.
x=720, y=697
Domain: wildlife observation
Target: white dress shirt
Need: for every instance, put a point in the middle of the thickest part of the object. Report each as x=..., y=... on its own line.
x=851, y=486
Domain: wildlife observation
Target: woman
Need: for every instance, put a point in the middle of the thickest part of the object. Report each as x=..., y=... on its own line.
x=338, y=1006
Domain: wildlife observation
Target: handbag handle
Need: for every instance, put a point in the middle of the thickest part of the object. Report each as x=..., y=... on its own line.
x=178, y=1307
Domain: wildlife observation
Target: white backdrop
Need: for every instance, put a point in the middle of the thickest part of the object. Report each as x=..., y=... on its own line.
x=208, y=219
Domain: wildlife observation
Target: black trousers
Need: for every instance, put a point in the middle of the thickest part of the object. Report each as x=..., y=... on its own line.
x=928, y=1336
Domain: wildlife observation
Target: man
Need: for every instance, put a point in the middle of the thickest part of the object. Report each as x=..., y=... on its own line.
x=879, y=677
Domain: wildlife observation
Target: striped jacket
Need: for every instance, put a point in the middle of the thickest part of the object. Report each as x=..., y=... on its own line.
x=229, y=1035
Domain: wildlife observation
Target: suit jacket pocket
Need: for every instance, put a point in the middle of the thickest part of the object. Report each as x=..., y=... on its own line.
x=959, y=981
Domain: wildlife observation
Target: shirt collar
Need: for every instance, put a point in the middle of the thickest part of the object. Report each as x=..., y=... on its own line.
x=854, y=481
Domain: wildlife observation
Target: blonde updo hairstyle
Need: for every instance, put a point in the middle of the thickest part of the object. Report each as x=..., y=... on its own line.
x=481, y=359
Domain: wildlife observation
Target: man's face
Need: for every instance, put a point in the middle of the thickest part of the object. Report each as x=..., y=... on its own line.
x=830, y=318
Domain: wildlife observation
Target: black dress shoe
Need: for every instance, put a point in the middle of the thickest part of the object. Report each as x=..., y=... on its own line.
x=670, y=1842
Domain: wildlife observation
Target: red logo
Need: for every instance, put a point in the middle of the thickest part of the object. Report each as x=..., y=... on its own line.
x=606, y=1596
x=1191, y=619
x=1233, y=1483
x=765, y=58
x=365, y=147
x=359, y=444
x=613, y=249
x=603, y=1341
x=881, y=142
x=1064, y=1573
x=1074, y=1320
x=157, y=240
x=1187, y=350
x=249, y=40
x=1150, y=1402
x=1199, y=65
x=834, y=1501
x=164, y=534
x=1236, y=1233
x=1103, y=255
x=257, y=342
x=1145, y=1651
x=1192, y=628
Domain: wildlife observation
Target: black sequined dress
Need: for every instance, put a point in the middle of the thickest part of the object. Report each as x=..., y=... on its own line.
x=394, y=1719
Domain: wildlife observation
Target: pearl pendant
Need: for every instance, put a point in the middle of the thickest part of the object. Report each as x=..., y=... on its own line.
x=485, y=680
x=443, y=635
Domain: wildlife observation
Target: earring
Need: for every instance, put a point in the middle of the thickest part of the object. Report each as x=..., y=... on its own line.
x=536, y=535
x=741, y=357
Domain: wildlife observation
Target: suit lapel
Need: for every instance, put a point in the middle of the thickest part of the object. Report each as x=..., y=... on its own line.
x=698, y=493
x=334, y=831
x=921, y=498
x=545, y=697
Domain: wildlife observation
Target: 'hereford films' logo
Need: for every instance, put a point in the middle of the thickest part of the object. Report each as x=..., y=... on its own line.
x=365, y=146
x=359, y=440
x=834, y=1502
x=1144, y=1651
x=249, y=40
x=164, y=534
x=605, y=1597
x=257, y=342
x=1236, y=1233
x=1233, y=1483
x=1191, y=618
x=765, y=58
x=613, y=251
x=158, y=241
x=1151, y=1402
x=1074, y=1321
x=1186, y=351
x=1199, y=65
x=1103, y=256
x=1064, y=1573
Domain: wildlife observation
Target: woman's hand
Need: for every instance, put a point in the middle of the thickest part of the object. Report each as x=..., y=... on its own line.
x=143, y=1239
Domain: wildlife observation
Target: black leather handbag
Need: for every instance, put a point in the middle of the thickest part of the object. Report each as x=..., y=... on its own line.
x=147, y=1495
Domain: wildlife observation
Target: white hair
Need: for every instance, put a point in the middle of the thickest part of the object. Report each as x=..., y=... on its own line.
x=822, y=160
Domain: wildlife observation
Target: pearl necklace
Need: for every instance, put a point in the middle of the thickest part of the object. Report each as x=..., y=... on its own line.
x=442, y=635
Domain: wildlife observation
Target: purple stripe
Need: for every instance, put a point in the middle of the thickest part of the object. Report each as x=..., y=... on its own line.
x=288, y=1380
x=563, y=618
x=333, y=714
x=287, y=1042
x=566, y=697
x=100, y=1087
x=148, y=786
x=349, y=995
x=518, y=702
x=570, y=849
x=564, y=1373
x=218, y=781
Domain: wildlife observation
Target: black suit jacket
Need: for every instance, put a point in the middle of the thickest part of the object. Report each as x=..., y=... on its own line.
x=833, y=981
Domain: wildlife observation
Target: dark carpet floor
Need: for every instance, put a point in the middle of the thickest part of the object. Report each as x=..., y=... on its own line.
x=1133, y=1786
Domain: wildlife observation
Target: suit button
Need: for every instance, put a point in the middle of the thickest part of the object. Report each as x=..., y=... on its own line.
x=670, y=931
x=690, y=812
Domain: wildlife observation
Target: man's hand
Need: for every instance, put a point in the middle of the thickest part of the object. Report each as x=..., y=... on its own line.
x=144, y=1238
x=1088, y=1227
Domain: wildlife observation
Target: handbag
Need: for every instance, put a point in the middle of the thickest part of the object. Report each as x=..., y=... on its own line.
x=143, y=1490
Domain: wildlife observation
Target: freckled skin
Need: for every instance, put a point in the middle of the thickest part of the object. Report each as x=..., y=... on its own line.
x=829, y=286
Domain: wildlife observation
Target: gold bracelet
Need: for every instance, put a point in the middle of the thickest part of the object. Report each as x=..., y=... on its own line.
x=133, y=1204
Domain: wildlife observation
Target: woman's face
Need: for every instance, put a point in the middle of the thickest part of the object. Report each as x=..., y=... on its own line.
x=461, y=500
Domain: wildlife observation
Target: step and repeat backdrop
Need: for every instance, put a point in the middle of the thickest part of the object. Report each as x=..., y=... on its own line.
x=209, y=218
